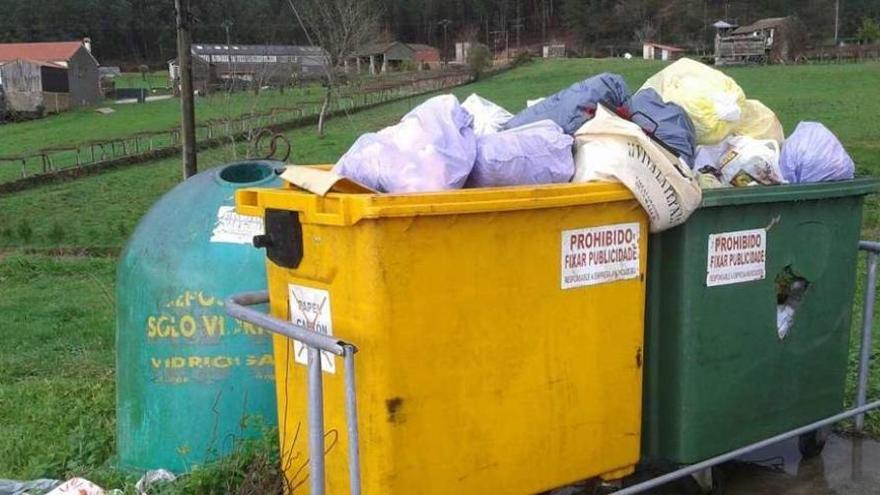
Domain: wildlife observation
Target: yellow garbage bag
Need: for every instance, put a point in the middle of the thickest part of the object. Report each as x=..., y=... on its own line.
x=713, y=100
x=759, y=122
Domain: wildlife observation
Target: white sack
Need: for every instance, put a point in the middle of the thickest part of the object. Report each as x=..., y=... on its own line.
x=612, y=149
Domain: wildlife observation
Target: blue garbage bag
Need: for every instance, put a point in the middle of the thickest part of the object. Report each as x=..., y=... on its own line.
x=536, y=153
x=668, y=123
x=814, y=154
x=433, y=148
x=573, y=106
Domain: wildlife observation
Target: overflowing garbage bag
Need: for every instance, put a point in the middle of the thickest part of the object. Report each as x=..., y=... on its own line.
x=667, y=122
x=742, y=161
x=537, y=153
x=714, y=101
x=689, y=127
x=759, y=122
x=812, y=153
x=573, y=106
x=488, y=117
x=433, y=148
x=612, y=149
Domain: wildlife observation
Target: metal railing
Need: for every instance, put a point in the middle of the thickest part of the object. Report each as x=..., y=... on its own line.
x=237, y=306
x=861, y=407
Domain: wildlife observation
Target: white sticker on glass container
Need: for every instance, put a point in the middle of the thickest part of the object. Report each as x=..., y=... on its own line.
x=736, y=257
x=310, y=308
x=233, y=228
x=600, y=255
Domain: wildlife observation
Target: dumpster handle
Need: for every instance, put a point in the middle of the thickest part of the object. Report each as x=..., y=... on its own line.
x=237, y=307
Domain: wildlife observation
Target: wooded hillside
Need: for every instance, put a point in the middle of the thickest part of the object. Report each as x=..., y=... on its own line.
x=134, y=31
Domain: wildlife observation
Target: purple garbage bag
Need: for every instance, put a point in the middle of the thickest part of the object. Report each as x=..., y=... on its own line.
x=537, y=153
x=814, y=154
x=433, y=148
x=573, y=106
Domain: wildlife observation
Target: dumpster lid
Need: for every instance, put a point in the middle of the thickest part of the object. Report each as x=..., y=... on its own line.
x=791, y=192
x=347, y=209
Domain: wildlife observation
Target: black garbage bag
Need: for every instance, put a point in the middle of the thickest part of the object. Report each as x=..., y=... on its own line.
x=667, y=123
x=573, y=106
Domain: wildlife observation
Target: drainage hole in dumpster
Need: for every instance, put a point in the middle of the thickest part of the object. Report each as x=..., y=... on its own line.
x=790, y=290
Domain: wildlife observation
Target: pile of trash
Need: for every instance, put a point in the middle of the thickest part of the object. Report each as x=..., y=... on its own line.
x=689, y=127
x=81, y=486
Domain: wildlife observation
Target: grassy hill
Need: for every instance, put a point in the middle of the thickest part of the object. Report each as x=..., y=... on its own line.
x=60, y=379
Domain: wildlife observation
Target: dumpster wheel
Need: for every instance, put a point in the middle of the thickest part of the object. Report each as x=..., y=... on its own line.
x=811, y=444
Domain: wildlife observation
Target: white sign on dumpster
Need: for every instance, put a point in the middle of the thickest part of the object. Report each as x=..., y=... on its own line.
x=736, y=257
x=233, y=228
x=599, y=255
x=310, y=308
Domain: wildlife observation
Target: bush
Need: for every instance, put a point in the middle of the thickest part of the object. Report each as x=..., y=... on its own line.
x=869, y=31
x=479, y=59
x=522, y=58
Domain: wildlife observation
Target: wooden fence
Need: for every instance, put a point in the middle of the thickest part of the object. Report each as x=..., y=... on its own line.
x=144, y=145
x=844, y=54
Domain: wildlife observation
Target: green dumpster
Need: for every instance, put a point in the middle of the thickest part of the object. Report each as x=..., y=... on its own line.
x=748, y=321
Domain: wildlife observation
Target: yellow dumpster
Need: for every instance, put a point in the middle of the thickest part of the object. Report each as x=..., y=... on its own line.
x=499, y=333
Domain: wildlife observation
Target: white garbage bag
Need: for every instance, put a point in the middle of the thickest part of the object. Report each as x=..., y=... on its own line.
x=531, y=103
x=612, y=149
x=488, y=117
x=77, y=486
x=743, y=161
x=433, y=148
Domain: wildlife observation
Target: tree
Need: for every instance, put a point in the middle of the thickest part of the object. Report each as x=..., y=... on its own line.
x=340, y=27
x=869, y=31
x=479, y=59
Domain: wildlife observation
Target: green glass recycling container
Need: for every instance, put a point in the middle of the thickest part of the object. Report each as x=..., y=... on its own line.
x=191, y=381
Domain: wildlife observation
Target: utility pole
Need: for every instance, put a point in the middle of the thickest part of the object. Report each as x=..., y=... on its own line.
x=836, y=22
x=445, y=23
x=187, y=107
x=544, y=16
x=226, y=25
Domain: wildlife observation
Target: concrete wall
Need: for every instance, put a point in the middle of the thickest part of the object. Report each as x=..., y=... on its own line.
x=85, y=88
x=21, y=86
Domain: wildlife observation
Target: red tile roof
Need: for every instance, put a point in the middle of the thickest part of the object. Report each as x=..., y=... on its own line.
x=42, y=52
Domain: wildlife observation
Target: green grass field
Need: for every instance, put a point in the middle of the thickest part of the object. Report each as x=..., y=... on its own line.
x=82, y=125
x=157, y=80
x=57, y=386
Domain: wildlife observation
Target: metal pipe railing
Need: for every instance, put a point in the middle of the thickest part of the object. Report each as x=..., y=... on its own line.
x=867, y=325
x=237, y=307
x=315, y=342
x=714, y=461
x=861, y=407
